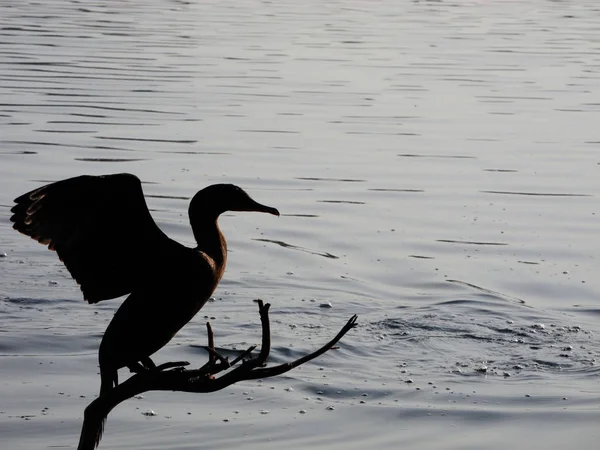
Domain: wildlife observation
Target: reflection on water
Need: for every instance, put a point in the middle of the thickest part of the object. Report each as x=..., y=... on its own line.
x=544, y=194
x=295, y=247
x=436, y=167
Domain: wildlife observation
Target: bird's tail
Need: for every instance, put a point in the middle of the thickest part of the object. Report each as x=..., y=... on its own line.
x=94, y=416
x=93, y=426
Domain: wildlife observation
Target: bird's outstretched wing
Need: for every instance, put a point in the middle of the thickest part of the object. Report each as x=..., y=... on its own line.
x=100, y=228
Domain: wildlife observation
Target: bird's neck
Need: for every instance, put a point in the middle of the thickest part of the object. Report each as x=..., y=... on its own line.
x=210, y=240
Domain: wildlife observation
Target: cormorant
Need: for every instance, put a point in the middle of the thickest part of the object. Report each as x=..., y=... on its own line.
x=102, y=230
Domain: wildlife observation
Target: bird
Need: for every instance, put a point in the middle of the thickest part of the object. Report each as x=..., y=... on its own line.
x=103, y=232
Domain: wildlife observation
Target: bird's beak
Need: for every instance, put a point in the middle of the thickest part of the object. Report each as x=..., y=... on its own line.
x=252, y=205
x=265, y=209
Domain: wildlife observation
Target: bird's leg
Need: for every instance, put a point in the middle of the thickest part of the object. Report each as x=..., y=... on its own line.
x=136, y=367
x=148, y=363
x=142, y=365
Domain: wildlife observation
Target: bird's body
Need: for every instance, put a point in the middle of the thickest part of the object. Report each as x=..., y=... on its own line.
x=151, y=315
x=102, y=230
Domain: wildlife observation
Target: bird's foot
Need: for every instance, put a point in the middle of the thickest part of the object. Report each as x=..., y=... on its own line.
x=143, y=365
x=177, y=365
x=138, y=368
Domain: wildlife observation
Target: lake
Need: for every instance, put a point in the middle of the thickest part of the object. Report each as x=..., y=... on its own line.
x=436, y=165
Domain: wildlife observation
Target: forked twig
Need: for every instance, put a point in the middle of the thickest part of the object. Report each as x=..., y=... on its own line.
x=174, y=377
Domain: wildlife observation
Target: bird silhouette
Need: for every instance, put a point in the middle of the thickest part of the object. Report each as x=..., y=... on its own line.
x=103, y=232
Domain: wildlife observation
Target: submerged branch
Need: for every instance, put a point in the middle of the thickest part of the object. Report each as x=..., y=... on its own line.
x=173, y=377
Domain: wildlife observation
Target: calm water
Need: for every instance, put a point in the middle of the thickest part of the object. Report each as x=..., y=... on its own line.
x=436, y=165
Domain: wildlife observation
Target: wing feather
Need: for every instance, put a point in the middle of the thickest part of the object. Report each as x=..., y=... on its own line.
x=99, y=226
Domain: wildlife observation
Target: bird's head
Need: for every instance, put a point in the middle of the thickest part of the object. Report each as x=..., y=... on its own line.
x=218, y=198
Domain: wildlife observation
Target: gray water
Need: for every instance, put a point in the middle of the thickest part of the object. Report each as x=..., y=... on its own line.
x=436, y=165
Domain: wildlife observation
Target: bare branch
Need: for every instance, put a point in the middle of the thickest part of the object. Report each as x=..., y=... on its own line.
x=211, y=344
x=173, y=376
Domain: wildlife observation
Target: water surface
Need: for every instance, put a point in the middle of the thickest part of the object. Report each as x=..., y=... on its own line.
x=436, y=166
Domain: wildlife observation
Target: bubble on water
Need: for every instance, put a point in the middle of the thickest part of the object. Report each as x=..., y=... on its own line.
x=326, y=305
x=330, y=408
x=302, y=411
x=150, y=413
